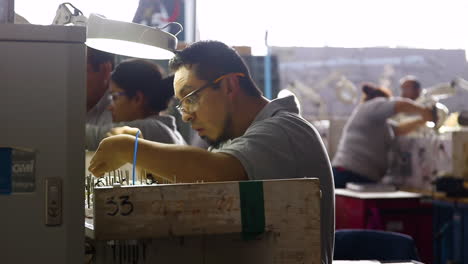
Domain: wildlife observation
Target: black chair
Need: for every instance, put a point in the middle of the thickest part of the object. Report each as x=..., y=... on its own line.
x=360, y=244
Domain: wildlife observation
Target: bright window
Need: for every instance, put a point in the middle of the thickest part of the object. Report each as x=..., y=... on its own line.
x=430, y=24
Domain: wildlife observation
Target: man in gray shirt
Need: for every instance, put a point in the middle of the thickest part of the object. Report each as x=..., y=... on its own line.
x=98, y=70
x=250, y=136
x=280, y=144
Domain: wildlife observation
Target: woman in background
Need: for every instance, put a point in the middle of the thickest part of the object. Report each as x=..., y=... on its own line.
x=362, y=153
x=139, y=94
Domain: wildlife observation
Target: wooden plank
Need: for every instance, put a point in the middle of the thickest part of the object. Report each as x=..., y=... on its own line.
x=210, y=215
x=460, y=153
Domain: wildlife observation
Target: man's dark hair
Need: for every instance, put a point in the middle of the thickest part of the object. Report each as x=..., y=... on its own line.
x=212, y=59
x=412, y=80
x=415, y=84
x=96, y=57
x=135, y=75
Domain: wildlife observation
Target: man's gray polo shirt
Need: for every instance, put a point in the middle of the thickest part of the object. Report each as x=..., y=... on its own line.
x=280, y=144
x=99, y=115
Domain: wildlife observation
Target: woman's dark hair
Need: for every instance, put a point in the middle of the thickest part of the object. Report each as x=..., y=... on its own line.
x=140, y=75
x=212, y=59
x=371, y=91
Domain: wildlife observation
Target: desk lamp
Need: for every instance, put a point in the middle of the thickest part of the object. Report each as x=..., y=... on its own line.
x=122, y=38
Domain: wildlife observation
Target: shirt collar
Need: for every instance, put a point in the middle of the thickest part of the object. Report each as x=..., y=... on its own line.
x=287, y=104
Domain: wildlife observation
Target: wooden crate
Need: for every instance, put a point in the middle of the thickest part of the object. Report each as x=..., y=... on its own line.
x=460, y=153
x=273, y=221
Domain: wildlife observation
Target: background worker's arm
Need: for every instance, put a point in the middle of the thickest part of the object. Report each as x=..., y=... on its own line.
x=407, y=127
x=407, y=106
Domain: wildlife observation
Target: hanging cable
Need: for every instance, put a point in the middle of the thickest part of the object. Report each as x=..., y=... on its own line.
x=135, y=150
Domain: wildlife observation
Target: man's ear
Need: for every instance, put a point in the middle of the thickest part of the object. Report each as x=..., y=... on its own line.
x=139, y=98
x=233, y=86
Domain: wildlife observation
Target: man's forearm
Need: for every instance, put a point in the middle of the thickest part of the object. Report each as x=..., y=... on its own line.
x=188, y=164
x=405, y=128
x=409, y=107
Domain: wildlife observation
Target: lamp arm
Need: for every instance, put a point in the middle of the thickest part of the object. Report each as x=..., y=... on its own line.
x=181, y=28
x=64, y=16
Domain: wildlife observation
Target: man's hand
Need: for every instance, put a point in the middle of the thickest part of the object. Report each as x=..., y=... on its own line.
x=429, y=114
x=124, y=130
x=112, y=153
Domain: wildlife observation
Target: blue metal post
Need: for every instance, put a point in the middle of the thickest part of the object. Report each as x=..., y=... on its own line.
x=267, y=67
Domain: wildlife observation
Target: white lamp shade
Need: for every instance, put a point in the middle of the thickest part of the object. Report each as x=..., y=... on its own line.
x=129, y=39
